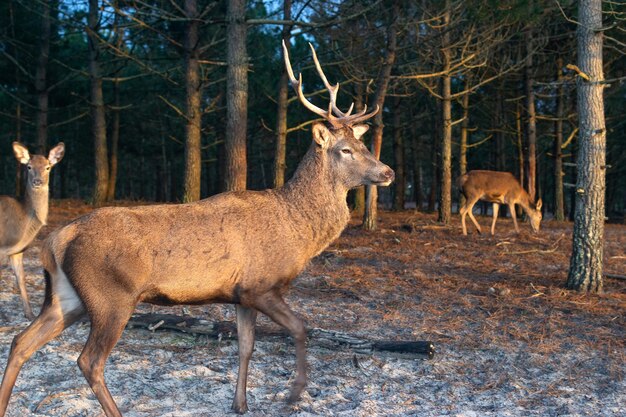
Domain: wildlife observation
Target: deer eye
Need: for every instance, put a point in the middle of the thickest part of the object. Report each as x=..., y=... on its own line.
x=346, y=151
x=29, y=167
x=48, y=168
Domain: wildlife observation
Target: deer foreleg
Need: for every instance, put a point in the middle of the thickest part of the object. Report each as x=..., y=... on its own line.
x=276, y=309
x=496, y=209
x=17, y=265
x=246, y=318
x=106, y=328
x=514, y=216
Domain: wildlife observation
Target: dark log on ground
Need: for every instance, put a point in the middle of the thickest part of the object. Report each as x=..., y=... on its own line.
x=317, y=337
x=615, y=276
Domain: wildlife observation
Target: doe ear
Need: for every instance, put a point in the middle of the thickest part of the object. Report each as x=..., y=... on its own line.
x=321, y=135
x=21, y=153
x=539, y=204
x=56, y=153
x=359, y=131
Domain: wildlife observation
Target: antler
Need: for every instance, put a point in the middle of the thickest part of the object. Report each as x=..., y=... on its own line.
x=339, y=118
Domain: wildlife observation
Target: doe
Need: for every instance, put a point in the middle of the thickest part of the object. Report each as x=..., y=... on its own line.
x=21, y=220
x=497, y=188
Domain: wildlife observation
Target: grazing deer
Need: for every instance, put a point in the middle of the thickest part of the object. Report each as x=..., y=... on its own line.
x=242, y=248
x=497, y=188
x=20, y=221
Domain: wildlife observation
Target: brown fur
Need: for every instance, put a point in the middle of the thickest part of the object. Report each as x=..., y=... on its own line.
x=238, y=247
x=21, y=220
x=497, y=188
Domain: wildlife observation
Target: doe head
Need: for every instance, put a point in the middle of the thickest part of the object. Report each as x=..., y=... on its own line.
x=38, y=165
x=536, y=216
x=350, y=162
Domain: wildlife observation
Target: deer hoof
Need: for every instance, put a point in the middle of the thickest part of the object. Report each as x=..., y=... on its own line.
x=240, y=408
x=296, y=390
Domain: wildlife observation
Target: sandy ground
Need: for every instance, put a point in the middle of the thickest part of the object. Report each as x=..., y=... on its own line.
x=510, y=340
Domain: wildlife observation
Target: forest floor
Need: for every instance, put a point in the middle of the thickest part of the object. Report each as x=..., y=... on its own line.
x=510, y=340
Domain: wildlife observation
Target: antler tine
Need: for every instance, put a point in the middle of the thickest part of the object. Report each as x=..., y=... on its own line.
x=361, y=116
x=297, y=86
x=333, y=90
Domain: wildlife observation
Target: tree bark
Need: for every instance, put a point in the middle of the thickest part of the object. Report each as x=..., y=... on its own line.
x=359, y=193
x=585, y=272
x=531, y=130
x=445, y=198
x=398, y=152
x=41, y=80
x=115, y=138
x=281, y=116
x=193, y=126
x=464, y=139
x=559, y=209
x=98, y=122
x=236, y=97
x=382, y=82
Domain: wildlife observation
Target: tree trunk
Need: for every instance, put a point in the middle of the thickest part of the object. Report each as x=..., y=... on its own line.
x=193, y=126
x=281, y=116
x=97, y=108
x=115, y=136
x=559, y=209
x=359, y=193
x=41, y=82
x=445, y=199
x=382, y=82
x=464, y=139
x=236, y=97
x=585, y=272
x=531, y=131
x=520, y=144
x=398, y=152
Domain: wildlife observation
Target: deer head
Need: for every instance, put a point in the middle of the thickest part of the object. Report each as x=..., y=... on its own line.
x=340, y=137
x=38, y=166
x=536, y=216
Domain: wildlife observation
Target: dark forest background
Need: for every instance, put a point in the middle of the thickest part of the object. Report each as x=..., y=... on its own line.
x=508, y=63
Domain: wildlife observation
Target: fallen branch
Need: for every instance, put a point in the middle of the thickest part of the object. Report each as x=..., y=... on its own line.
x=317, y=337
x=554, y=247
x=615, y=276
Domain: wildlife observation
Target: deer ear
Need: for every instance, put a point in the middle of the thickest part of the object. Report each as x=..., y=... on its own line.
x=21, y=153
x=359, y=130
x=56, y=153
x=539, y=204
x=321, y=135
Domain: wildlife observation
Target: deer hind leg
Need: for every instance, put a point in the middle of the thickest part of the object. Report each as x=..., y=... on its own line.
x=107, y=325
x=496, y=209
x=17, y=265
x=55, y=316
x=246, y=319
x=273, y=306
x=514, y=216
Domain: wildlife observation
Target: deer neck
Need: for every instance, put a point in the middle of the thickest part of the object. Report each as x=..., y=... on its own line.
x=36, y=205
x=524, y=202
x=316, y=201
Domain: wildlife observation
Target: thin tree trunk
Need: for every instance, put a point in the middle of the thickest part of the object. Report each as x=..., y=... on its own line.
x=359, y=193
x=531, y=130
x=236, y=97
x=97, y=108
x=193, y=85
x=445, y=199
x=520, y=144
x=559, y=209
x=41, y=80
x=115, y=137
x=432, y=196
x=464, y=139
x=371, y=200
x=398, y=152
x=281, y=116
x=585, y=272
